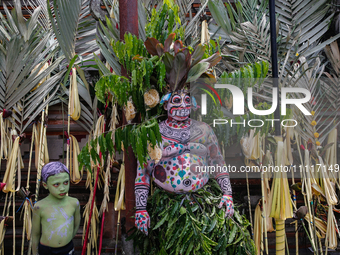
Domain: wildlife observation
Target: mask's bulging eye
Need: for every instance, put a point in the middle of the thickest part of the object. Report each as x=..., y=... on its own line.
x=187, y=99
x=176, y=99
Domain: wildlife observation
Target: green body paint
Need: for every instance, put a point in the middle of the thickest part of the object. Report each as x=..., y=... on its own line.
x=56, y=218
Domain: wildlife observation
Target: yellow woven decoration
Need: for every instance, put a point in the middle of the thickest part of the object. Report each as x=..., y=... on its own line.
x=130, y=111
x=151, y=98
x=155, y=153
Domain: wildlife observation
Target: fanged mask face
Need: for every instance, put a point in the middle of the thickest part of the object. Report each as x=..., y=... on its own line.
x=179, y=106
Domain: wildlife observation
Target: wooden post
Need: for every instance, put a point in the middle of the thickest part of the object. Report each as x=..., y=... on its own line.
x=128, y=22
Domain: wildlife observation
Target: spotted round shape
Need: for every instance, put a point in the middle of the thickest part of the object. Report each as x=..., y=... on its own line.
x=187, y=182
x=181, y=161
x=160, y=173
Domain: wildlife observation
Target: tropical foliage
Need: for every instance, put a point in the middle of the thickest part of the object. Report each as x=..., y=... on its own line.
x=199, y=228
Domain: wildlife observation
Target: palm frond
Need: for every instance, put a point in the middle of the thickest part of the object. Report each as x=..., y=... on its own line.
x=303, y=20
x=85, y=41
x=106, y=34
x=43, y=16
x=321, y=103
x=333, y=78
x=76, y=32
x=24, y=51
x=65, y=23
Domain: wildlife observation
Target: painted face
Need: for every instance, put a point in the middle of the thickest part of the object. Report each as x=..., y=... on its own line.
x=58, y=185
x=179, y=106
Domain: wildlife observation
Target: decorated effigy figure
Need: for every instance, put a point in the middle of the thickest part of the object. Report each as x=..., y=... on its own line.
x=182, y=207
x=184, y=202
x=188, y=147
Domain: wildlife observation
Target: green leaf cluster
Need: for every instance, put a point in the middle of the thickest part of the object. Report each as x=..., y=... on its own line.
x=164, y=22
x=144, y=72
x=117, y=85
x=127, y=50
x=179, y=226
x=138, y=137
x=89, y=151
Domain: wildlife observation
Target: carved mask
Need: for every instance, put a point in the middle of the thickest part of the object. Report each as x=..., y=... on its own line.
x=179, y=105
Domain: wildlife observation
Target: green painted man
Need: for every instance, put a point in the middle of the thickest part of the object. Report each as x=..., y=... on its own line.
x=56, y=218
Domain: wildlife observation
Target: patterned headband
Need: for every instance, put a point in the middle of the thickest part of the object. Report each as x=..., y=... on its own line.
x=53, y=168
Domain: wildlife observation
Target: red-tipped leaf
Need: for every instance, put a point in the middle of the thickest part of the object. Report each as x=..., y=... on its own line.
x=160, y=49
x=168, y=42
x=150, y=45
x=177, y=46
x=213, y=59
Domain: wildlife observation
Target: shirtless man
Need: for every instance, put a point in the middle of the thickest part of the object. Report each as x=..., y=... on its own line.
x=56, y=218
x=187, y=146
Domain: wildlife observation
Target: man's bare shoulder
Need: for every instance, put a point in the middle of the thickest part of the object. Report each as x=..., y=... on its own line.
x=39, y=206
x=73, y=201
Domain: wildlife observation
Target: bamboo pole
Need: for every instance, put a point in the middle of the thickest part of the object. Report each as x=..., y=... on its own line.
x=18, y=168
x=23, y=229
x=280, y=236
x=296, y=223
x=41, y=151
x=14, y=221
x=263, y=221
x=294, y=193
x=34, y=129
x=264, y=201
x=68, y=125
x=118, y=224
x=249, y=206
x=320, y=244
x=281, y=204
